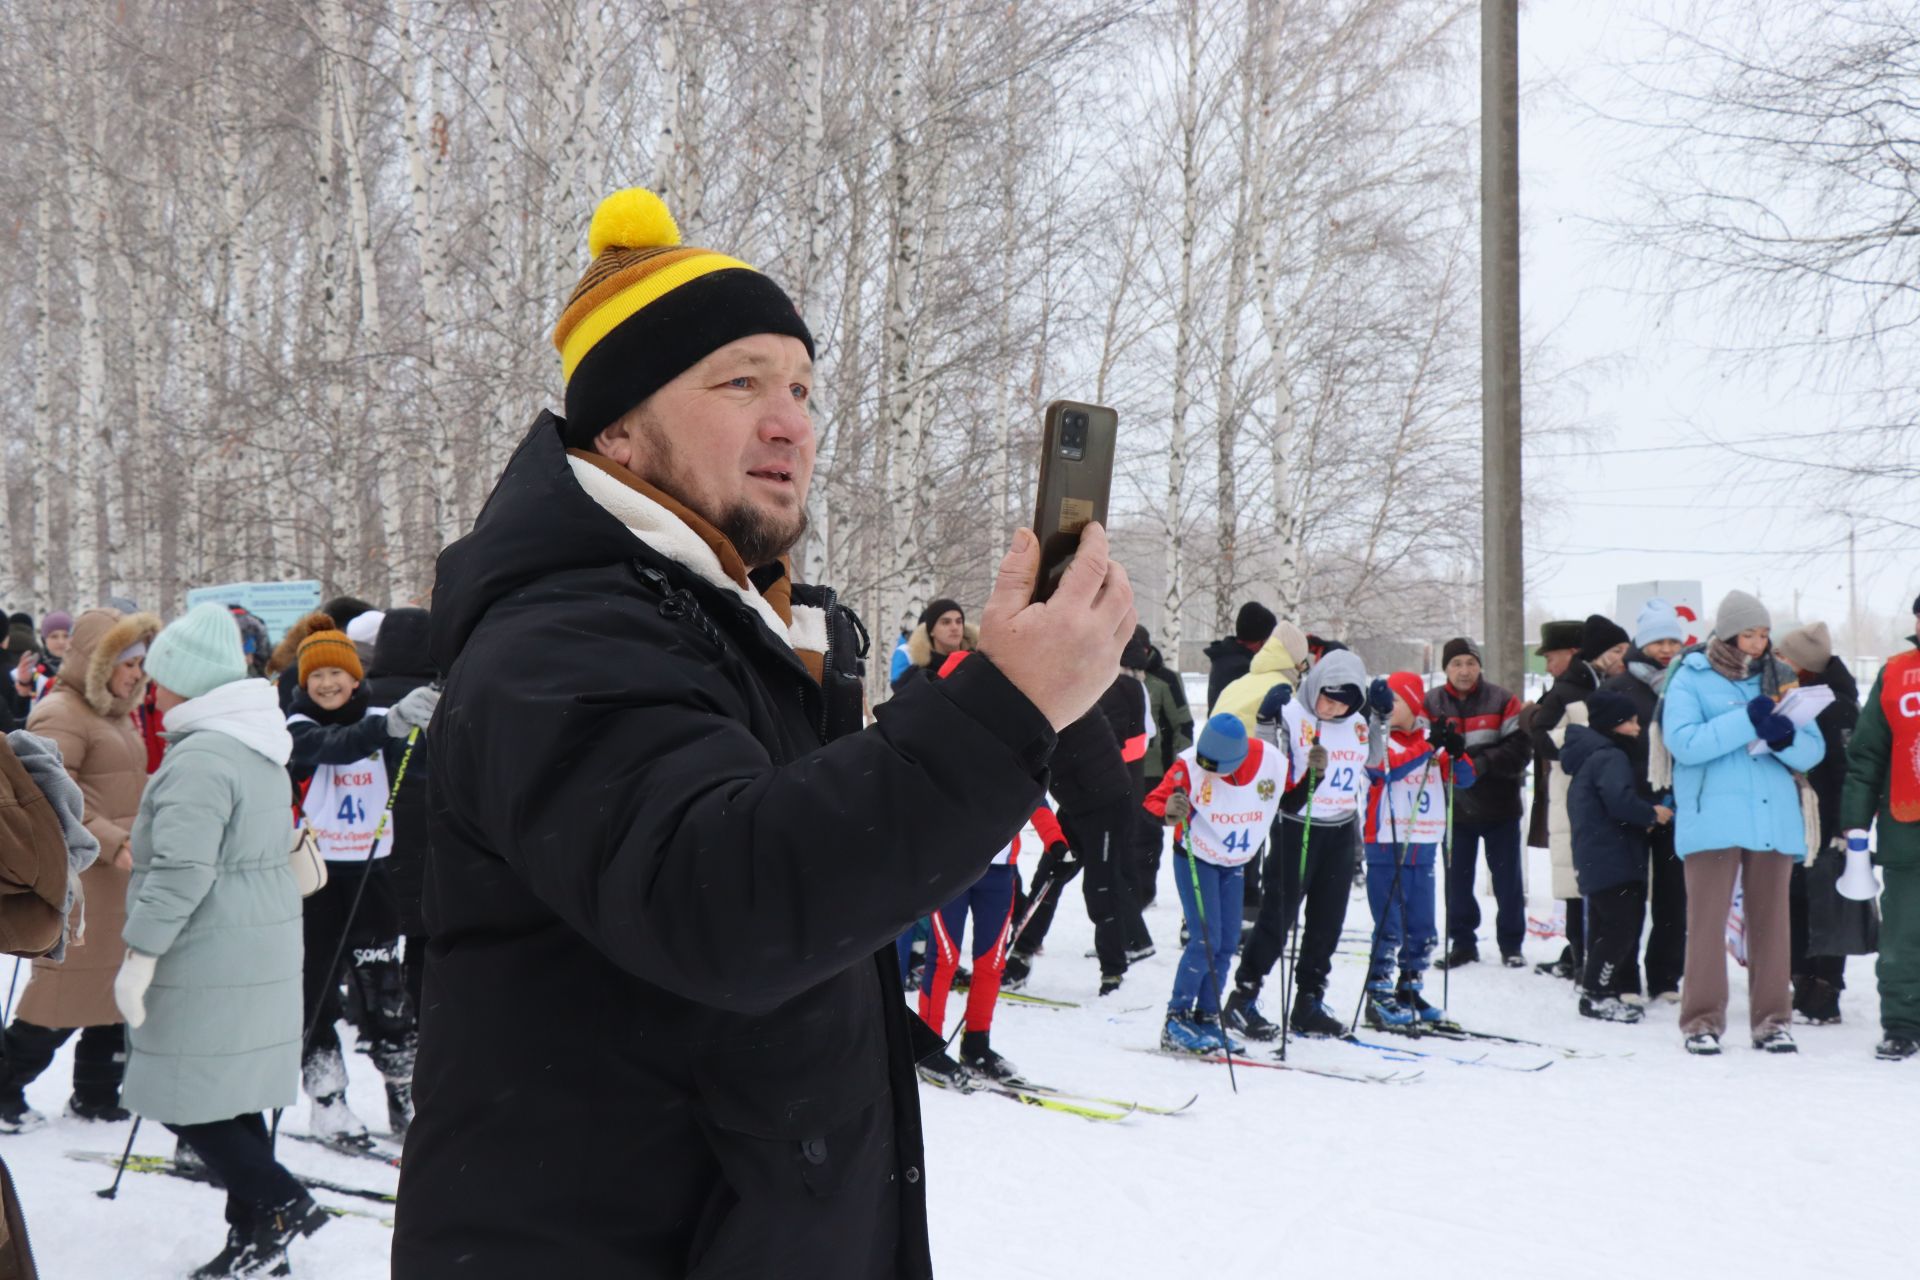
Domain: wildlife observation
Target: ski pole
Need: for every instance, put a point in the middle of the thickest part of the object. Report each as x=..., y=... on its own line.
x=353, y=909
x=1291, y=959
x=1393, y=887
x=1206, y=942
x=125, y=1156
x=1446, y=900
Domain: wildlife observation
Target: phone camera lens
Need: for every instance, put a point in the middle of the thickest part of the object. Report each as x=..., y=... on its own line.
x=1073, y=434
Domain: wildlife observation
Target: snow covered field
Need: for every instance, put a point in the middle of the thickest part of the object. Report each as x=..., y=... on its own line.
x=1644, y=1162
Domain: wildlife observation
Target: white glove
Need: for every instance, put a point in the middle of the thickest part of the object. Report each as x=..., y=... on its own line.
x=130, y=986
x=413, y=711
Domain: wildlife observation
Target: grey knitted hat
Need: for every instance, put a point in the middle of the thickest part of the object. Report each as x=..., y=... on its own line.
x=1738, y=612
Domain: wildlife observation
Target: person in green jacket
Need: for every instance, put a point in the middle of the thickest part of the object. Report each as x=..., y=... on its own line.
x=1883, y=784
x=210, y=986
x=1171, y=720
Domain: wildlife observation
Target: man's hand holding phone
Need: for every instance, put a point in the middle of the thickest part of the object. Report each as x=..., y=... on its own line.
x=1064, y=651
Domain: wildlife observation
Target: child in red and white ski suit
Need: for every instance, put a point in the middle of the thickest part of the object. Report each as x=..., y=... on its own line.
x=990, y=901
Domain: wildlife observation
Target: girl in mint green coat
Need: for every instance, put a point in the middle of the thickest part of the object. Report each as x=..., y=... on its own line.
x=210, y=986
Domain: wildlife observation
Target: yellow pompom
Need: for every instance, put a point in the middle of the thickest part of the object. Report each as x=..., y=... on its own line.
x=631, y=219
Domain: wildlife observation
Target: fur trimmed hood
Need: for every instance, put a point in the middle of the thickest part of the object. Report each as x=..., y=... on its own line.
x=99, y=637
x=287, y=652
x=920, y=645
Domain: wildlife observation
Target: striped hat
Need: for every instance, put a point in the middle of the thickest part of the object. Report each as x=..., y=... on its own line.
x=649, y=308
x=325, y=649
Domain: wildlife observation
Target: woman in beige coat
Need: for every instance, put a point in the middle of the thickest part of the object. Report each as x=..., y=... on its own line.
x=88, y=715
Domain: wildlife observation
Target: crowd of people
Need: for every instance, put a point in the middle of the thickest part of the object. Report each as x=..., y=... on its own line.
x=1662, y=819
x=631, y=954
x=200, y=983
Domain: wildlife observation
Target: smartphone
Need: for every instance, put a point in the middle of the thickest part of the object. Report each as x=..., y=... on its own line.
x=1076, y=476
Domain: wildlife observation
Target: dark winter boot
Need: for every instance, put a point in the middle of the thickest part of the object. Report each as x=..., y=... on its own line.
x=395, y=1058
x=107, y=1113
x=239, y=1243
x=978, y=1057
x=1109, y=983
x=1513, y=960
x=1561, y=968
x=324, y=1074
x=1384, y=1011
x=1019, y=969
x=1311, y=1017
x=1408, y=994
x=962, y=978
x=1244, y=1016
x=1896, y=1048
x=17, y=1117
x=1818, y=1001
x=944, y=1073
x=1461, y=953
x=1606, y=1008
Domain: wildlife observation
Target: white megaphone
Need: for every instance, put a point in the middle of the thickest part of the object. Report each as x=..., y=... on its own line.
x=1858, y=881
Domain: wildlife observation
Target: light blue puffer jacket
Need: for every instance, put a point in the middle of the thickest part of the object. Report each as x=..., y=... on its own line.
x=1724, y=798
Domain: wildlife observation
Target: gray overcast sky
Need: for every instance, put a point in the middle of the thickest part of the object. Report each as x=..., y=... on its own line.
x=1648, y=385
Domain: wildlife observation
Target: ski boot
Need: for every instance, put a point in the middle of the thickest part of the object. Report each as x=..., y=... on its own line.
x=1896, y=1048
x=1384, y=1011
x=1408, y=994
x=17, y=1117
x=239, y=1244
x=1461, y=953
x=1110, y=983
x=1775, y=1040
x=1182, y=1035
x=106, y=1112
x=1136, y=954
x=1703, y=1044
x=1019, y=969
x=1209, y=1024
x=980, y=1061
x=1244, y=1016
x=1606, y=1008
x=325, y=1076
x=962, y=978
x=944, y=1073
x=1311, y=1017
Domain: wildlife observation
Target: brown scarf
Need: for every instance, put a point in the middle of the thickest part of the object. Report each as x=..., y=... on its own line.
x=1726, y=658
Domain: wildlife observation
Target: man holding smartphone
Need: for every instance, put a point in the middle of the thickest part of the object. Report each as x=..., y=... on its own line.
x=663, y=1032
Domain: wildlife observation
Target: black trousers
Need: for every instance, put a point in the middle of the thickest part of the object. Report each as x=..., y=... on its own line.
x=240, y=1154
x=1576, y=932
x=371, y=958
x=99, y=1060
x=1829, y=969
x=1613, y=939
x=1148, y=831
x=1102, y=842
x=1332, y=854
x=1667, y=939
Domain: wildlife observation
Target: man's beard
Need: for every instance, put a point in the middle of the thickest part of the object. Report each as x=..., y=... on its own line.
x=758, y=537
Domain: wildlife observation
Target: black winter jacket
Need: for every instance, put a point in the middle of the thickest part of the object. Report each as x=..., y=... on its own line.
x=403, y=662
x=660, y=1038
x=1837, y=724
x=1229, y=660
x=1573, y=686
x=1607, y=814
x=1635, y=684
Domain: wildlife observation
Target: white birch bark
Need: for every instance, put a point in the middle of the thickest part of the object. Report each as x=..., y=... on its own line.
x=903, y=426
x=87, y=521
x=1184, y=323
x=499, y=269
x=430, y=476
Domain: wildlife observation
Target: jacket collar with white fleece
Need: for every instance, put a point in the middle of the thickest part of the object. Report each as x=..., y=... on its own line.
x=670, y=536
x=248, y=711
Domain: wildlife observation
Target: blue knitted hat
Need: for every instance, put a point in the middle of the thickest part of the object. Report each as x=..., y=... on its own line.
x=1222, y=745
x=198, y=652
x=1658, y=620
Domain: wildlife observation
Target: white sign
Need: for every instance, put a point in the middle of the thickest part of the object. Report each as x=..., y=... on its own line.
x=1683, y=596
x=278, y=604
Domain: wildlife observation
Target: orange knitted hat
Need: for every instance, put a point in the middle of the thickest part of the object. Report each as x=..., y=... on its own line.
x=329, y=649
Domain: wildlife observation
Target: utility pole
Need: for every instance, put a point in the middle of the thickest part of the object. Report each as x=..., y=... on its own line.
x=1502, y=550
x=1853, y=600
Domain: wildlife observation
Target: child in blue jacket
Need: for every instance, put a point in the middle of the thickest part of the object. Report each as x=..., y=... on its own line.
x=1610, y=820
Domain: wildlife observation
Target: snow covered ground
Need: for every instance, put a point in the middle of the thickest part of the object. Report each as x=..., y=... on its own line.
x=1641, y=1162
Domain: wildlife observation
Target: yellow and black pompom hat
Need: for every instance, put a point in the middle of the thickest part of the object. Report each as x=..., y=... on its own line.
x=649, y=308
